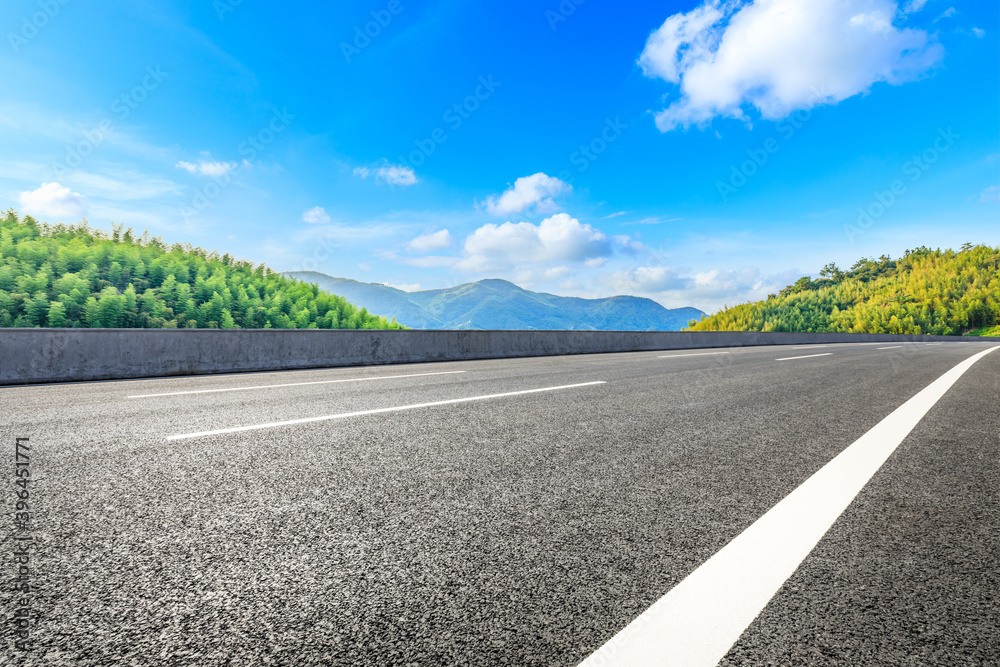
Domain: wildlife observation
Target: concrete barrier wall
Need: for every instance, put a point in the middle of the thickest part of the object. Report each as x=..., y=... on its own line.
x=29, y=356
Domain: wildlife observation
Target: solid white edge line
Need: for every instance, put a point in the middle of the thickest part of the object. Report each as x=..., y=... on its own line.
x=808, y=356
x=292, y=384
x=699, y=620
x=696, y=354
x=377, y=411
x=891, y=347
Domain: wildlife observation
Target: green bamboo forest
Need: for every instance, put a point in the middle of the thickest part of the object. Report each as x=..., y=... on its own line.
x=76, y=276
x=941, y=292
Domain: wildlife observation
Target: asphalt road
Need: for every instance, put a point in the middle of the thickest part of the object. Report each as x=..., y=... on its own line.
x=525, y=529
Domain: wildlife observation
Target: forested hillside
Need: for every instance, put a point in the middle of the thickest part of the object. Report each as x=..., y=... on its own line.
x=75, y=276
x=924, y=292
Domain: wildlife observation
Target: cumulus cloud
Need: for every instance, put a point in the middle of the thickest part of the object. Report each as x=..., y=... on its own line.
x=559, y=238
x=317, y=215
x=707, y=290
x=537, y=191
x=779, y=56
x=391, y=174
x=53, y=201
x=207, y=167
x=395, y=174
x=435, y=241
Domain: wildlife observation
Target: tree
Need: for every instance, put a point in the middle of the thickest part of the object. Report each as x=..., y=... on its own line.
x=57, y=315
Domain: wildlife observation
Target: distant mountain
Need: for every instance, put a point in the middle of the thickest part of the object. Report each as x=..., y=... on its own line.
x=498, y=304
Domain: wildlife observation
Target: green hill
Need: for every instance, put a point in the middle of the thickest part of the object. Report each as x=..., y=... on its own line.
x=74, y=276
x=924, y=292
x=498, y=304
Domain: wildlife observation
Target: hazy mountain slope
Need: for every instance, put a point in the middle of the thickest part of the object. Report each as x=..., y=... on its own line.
x=498, y=304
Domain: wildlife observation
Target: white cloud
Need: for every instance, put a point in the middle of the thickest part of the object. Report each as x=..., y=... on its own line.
x=914, y=6
x=646, y=279
x=630, y=247
x=55, y=202
x=557, y=238
x=946, y=14
x=207, y=167
x=435, y=241
x=538, y=191
x=990, y=194
x=779, y=56
x=316, y=216
x=407, y=287
x=393, y=174
x=979, y=32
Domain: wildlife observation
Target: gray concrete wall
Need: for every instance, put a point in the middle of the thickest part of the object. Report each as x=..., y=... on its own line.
x=29, y=356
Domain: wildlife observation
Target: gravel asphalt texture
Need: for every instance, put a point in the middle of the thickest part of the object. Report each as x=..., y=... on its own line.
x=524, y=530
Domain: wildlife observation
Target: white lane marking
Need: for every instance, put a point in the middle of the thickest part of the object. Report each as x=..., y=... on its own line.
x=294, y=384
x=808, y=356
x=700, y=619
x=893, y=347
x=696, y=354
x=377, y=411
x=802, y=347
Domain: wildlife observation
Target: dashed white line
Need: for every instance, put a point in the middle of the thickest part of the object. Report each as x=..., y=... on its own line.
x=892, y=347
x=377, y=411
x=700, y=619
x=294, y=384
x=696, y=354
x=808, y=356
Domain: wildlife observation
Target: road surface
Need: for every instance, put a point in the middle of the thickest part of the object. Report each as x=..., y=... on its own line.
x=508, y=512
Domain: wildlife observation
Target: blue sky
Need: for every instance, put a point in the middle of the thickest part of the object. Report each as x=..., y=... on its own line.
x=696, y=153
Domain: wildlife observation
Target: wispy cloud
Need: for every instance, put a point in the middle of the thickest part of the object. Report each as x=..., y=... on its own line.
x=433, y=241
x=207, y=167
x=390, y=174
x=651, y=221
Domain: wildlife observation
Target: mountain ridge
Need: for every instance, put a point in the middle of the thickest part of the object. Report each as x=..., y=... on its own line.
x=498, y=304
